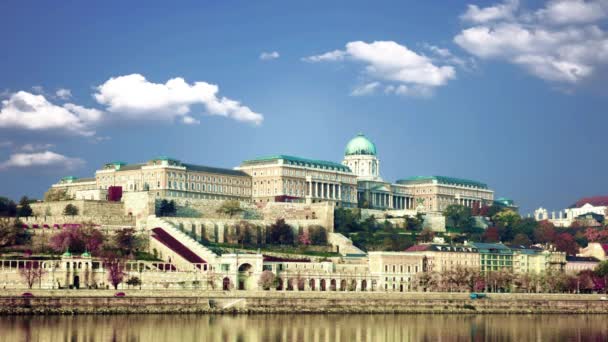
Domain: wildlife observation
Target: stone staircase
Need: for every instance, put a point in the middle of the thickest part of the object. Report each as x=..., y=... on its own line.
x=344, y=244
x=196, y=247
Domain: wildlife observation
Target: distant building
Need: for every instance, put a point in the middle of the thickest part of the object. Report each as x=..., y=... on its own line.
x=578, y=211
x=576, y=264
x=596, y=250
x=443, y=257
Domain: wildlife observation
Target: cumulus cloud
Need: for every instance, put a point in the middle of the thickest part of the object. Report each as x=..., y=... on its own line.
x=133, y=96
x=188, y=120
x=573, y=11
x=336, y=55
x=388, y=61
x=365, y=89
x=63, y=93
x=37, y=159
x=28, y=111
x=35, y=147
x=533, y=40
x=504, y=10
x=266, y=56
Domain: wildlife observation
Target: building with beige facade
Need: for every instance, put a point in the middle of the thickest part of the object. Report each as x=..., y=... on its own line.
x=286, y=178
x=444, y=257
x=356, y=182
x=396, y=271
x=421, y=193
x=164, y=177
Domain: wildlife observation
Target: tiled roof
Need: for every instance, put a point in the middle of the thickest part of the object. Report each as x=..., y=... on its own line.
x=571, y=258
x=442, y=180
x=418, y=248
x=210, y=169
x=299, y=161
x=596, y=201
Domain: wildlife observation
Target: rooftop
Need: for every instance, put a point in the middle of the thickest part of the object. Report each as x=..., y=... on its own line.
x=360, y=145
x=596, y=201
x=442, y=180
x=298, y=161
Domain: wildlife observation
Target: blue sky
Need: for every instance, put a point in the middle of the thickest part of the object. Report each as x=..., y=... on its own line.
x=509, y=93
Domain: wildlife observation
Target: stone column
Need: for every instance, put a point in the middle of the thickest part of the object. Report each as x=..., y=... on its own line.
x=340, y=192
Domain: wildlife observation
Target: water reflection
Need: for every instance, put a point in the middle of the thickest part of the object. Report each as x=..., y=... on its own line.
x=304, y=328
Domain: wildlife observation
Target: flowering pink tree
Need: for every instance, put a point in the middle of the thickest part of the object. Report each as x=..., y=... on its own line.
x=115, y=268
x=32, y=272
x=78, y=239
x=304, y=238
x=267, y=280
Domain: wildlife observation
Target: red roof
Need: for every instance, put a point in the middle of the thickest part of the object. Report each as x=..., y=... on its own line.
x=596, y=201
x=418, y=248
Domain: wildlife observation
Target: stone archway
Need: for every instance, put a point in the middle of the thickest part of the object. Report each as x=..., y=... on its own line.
x=364, y=285
x=322, y=285
x=226, y=284
x=332, y=285
x=343, y=285
x=311, y=283
x=244, y=276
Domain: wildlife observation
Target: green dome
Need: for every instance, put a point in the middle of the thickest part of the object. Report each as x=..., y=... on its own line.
x=360, y=145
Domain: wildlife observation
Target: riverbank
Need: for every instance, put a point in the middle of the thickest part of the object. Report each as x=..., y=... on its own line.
x=46, y=302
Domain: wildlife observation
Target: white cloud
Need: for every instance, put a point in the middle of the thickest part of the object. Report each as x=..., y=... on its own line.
x=28, y=111
x=266, y=56
x=132, y=96
x=389, y=61
x=573, y=11
x=46, y=158
x=504, y=10
x=336, y=55
x=365, y=89
x=35, y=147
x=63, y=93
x=188, y=120
x=567, y=54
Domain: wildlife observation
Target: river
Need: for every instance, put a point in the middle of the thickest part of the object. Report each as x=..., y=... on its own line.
x=348, y=327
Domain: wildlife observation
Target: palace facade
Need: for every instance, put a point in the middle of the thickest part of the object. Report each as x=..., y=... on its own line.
x=355, y=182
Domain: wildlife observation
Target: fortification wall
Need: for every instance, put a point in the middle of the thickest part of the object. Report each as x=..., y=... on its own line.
x=101, y=220
x=85, y=208
x=135, y=301
x=220, y=230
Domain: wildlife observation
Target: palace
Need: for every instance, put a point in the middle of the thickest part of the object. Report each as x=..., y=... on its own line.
x=355, y=182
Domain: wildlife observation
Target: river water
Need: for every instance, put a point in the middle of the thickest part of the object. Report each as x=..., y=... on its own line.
x=348, y=327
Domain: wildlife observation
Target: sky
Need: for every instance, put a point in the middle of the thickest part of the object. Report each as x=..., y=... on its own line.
x=509, y=93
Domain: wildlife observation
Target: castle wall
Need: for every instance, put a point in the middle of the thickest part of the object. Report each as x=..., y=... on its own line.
x=85, y=208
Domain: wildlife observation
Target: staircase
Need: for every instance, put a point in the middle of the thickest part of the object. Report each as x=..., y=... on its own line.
x=195, y=246
x=344, y=244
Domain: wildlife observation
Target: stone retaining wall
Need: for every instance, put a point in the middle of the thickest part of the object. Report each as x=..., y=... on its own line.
x=85, y=208
x=88, y=301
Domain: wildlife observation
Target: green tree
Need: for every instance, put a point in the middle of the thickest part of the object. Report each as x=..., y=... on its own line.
x=133, y=281
x=70, y=210
x=318, y=235
x=24, y=209
x=347, y=220
x=11, y=233
x=8, y=208
x=459, y=217
x=602, y=269
x=414, y=223
x=280, y=233
x=127, y=241
x=230, y=208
